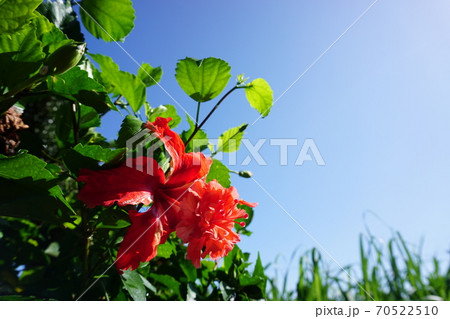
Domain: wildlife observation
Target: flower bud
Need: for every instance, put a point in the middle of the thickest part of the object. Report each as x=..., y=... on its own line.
x=64, y=58
x=245, y=174
x=243, y=127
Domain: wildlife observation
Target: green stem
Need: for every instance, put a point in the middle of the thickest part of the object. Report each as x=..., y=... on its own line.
x=198, y=113
x=75, y=120
x=197, y=128
x=116, y=102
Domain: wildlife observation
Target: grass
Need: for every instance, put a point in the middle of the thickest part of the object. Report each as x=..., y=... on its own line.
x=390, y=271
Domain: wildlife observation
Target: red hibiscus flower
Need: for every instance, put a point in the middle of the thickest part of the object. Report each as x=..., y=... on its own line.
x=207, y=218
x=141, y=181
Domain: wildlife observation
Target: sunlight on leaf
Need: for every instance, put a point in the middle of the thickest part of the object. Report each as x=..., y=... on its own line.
x=149, y=75
x=14, y=14
x=260, y=96
x=204, y=79
x=219, y=172
x=230, y=140
x=105, y=19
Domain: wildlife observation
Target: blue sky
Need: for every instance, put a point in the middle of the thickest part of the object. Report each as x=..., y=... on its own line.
x=376, y=105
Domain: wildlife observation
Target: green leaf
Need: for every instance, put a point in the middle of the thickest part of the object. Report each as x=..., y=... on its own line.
x=230, y=140
x=21, y=54
x=99, y=153
x=219, y=172
x=231, y=258
x=130, y=126
x=168, y=281
x=166, y=250
x=246, y=280
x=15, y=14
x=120, y=82
x=109, y=70
x=199, y=142
x=131, y=88
x=29, y=189
x=204, y=79
x=76, y=85
x=259, y=269
x=88, y=157
x=24, y=165
x=64, y=122
x=51, y=37
x=88, y=117
x=36, y=200
x=63, y=17
x=189, y=270
x=109, y=20
x=260, y=96
x=243, y=230
x=149, y=75
x=133, y=283
x=164, y=111
x=113, y=218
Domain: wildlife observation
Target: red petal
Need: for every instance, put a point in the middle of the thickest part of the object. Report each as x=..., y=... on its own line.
x=129, y=184
x=193, y=166
x=171, y=140
x=194, y=251
x=243, y=202
x=142, y=239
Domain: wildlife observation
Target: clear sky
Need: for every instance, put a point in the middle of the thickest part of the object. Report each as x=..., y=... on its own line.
x=376, y=105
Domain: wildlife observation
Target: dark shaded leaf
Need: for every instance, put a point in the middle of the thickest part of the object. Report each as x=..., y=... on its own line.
x=130, y=126
x=168, y=281
x=21, y=54
x=63, y=17
x=78, y=86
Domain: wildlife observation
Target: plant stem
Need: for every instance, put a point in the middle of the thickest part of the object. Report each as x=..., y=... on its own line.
x=116, y=102
x=197, y=128
x=75, y=120
x=198, y=113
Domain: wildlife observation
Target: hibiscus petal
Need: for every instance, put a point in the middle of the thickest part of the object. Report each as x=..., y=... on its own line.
x=194, y=251
x=193, y=167
x=243, y=202
x=142, y=239
x=171, y=140
x=128, y=184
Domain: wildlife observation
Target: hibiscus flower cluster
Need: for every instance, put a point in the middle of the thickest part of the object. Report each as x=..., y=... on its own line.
x=180, y=200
